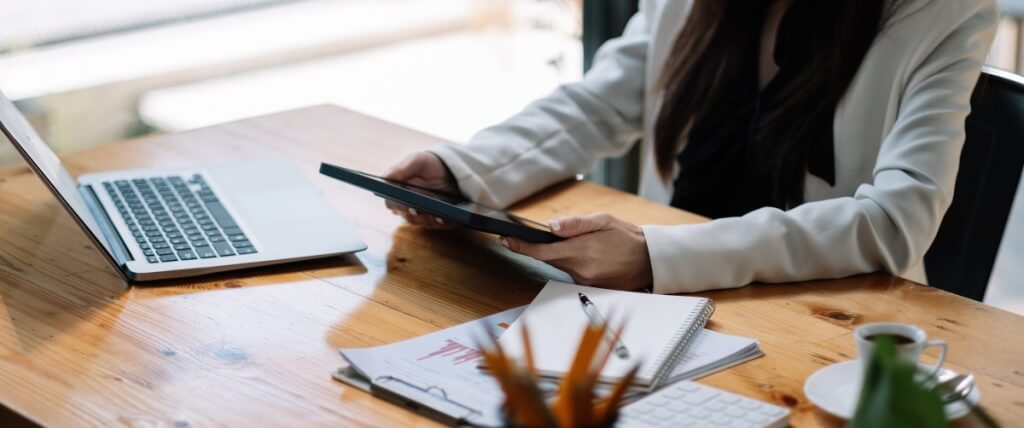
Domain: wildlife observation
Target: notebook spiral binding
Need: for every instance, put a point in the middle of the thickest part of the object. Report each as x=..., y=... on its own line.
x=667, y=359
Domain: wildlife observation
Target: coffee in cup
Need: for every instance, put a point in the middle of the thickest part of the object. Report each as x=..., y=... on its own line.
x=910, y=342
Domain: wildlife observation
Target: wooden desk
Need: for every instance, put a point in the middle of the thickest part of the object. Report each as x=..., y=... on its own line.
x=77, y=347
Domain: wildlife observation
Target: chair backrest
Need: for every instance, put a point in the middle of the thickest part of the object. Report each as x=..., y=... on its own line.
x=961, y=258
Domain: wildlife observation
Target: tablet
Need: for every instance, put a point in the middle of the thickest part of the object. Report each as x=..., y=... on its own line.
x=452, y=208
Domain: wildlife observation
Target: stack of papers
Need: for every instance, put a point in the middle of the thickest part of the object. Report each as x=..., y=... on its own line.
x=439, y=370
x=712, y=352
x=657, y=330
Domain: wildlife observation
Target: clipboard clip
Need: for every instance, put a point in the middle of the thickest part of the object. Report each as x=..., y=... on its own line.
x=431, y=401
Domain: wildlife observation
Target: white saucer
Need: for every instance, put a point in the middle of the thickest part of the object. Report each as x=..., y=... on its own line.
x=836, y=389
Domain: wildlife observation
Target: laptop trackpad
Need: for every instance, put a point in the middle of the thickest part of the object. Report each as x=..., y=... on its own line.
x=276, y=206
x=270, y=196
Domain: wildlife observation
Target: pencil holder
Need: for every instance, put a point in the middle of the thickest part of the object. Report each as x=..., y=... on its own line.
x=576, y=403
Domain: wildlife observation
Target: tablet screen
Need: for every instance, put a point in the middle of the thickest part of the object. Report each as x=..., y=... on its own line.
x=461, y=202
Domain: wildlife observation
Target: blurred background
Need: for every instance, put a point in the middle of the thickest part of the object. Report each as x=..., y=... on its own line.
x=94, y=72
x=98, y=72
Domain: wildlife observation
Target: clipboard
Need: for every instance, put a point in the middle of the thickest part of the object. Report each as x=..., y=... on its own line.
x=429, y=401
x=436, y=375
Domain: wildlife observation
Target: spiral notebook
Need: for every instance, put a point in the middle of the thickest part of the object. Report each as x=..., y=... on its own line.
x=658, y=330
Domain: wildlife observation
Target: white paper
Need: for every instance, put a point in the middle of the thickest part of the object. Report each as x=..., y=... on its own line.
x=711, y=351
x=653, y=327
x=446, y=360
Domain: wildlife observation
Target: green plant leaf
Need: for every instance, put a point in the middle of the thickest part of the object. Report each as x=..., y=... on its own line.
x=891, y=398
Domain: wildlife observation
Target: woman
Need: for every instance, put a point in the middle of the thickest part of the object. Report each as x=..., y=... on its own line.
x=822, y=136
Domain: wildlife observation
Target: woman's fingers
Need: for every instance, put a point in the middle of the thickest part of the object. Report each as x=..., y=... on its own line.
x=412, y=216
x=418, y=169
x=562, y=255
x=405, y=169
x=429, y=221
x=395, y=207
x=600, y=250
x=568, y=227
x=542, y=252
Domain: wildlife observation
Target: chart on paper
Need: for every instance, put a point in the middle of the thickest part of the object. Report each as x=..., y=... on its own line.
x=446, y=360
x=455, y=351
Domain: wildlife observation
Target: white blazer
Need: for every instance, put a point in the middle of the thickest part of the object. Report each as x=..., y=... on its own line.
x=898, y=135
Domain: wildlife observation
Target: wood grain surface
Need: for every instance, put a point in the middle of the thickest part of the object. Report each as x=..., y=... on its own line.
x=256, y=348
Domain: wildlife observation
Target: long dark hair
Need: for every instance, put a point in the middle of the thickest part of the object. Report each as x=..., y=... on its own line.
x=706, y=56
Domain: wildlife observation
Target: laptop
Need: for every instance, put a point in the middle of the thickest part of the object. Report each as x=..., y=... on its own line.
x=155, y=224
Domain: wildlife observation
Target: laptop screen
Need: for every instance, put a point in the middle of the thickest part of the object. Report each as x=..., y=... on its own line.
x=46, y=163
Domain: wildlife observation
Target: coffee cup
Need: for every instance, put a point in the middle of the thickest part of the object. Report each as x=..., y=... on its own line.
x=910, y=342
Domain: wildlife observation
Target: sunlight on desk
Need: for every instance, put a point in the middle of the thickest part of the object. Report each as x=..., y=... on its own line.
x=260, y=345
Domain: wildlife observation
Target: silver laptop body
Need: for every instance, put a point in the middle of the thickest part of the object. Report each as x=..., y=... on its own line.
x=155, y=223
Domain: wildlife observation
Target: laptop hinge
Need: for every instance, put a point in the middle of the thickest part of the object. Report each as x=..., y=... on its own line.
x=113, y=239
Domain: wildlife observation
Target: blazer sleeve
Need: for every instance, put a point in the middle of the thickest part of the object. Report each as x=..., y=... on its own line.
x=886, y=225
x=563, y=134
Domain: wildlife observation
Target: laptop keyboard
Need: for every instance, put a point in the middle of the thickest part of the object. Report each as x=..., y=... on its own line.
x=177, y=218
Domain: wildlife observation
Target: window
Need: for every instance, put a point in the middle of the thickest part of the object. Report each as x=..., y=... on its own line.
x=107, y=71
x=34, y=23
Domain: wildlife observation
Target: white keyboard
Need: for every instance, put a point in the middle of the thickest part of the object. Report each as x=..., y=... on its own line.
x=689, y=404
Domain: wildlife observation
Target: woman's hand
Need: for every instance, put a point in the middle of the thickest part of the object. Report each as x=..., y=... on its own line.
x=423, y=169
x=601, y=250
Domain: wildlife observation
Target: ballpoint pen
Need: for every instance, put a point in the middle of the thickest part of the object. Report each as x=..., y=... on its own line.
x=597, y=319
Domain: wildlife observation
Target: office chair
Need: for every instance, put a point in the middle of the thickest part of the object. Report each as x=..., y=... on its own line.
x=961, y=258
